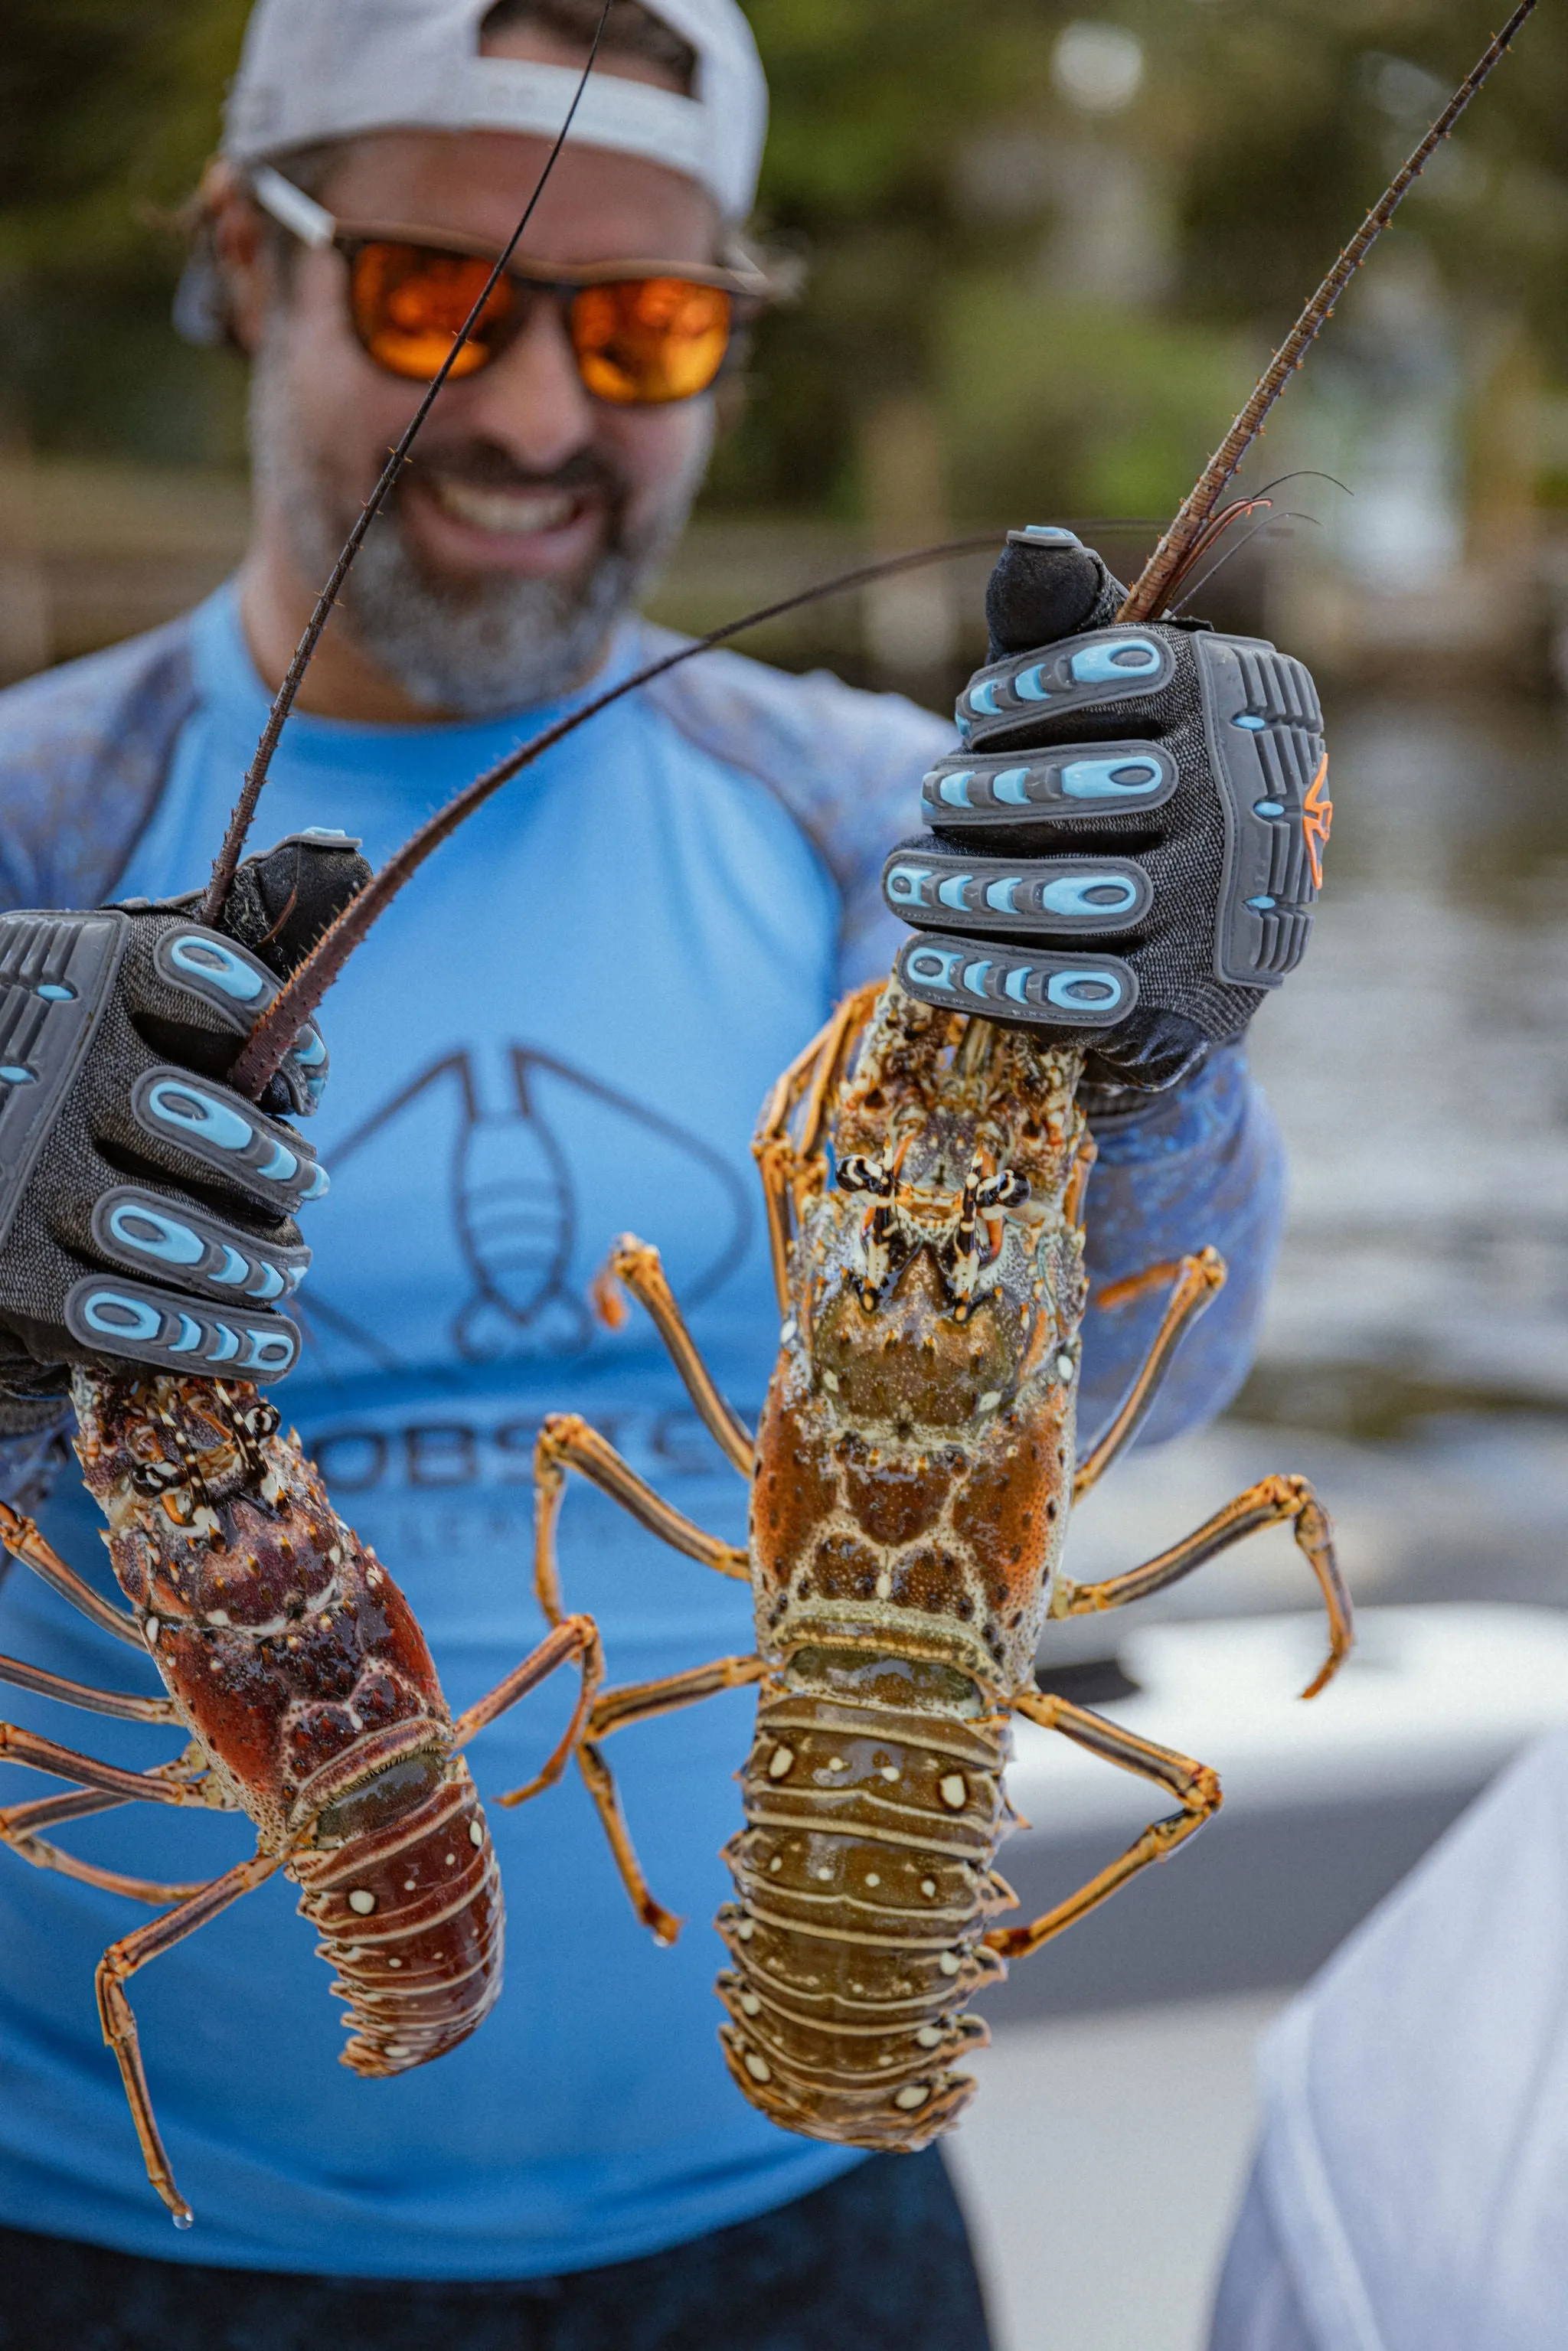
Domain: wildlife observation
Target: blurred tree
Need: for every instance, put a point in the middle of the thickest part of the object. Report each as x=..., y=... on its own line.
x=108, y=109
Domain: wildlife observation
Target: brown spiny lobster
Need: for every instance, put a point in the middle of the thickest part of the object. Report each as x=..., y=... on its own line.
x=295, y=1665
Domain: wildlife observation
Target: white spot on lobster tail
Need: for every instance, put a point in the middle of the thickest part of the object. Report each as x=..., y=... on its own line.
x=929, y=2037
x=475, y=1832
x=955, y=1791
x=780, y=1762
x=949, y=1963
x=362, y=1901
x=152, y=1628
x=758, y=2067
x=913, y=2094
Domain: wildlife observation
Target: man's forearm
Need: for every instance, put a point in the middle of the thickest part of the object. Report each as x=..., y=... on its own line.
x=1202, y=1166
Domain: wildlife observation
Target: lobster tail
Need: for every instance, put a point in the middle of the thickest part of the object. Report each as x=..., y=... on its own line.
x=411, y=1917
x=864, y=1882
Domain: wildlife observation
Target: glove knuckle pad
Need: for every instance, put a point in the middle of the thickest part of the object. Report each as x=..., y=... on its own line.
x=1093, y=784
x=226, y=979
x=934, y=887
x=224, y=1134
x=1101, y=669
x=110, y=1314
x=1008, y=982
x=152, y=1233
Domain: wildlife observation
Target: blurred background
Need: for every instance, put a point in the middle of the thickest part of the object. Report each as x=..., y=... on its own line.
x=1049, y=247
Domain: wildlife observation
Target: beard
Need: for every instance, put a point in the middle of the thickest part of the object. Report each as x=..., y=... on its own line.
x=476, y=646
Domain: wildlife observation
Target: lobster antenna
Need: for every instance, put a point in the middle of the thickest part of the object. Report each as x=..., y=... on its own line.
x=215, y=896
x=273, y=1034
x=1151, y=591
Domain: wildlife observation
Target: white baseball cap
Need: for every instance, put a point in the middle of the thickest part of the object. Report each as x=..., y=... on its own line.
x=323, y=70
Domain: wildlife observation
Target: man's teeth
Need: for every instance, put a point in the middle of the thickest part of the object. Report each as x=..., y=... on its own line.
x=509, y=511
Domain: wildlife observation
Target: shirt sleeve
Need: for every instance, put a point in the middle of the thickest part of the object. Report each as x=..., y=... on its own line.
x=1256, y=2307
x=30, y=1463
x=1201, y=1166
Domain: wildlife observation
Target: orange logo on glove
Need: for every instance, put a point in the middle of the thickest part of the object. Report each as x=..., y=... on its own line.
x=1317, y=816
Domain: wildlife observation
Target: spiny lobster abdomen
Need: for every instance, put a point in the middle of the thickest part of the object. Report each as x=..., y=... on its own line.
x=874, y=1806
x=411, y=1917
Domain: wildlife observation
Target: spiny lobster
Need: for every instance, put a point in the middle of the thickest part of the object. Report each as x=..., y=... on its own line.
x=296, y=1665
x=911, y=1483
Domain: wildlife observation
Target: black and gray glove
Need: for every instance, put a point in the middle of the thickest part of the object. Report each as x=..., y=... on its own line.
x=1126, y=851
x=147, y=1210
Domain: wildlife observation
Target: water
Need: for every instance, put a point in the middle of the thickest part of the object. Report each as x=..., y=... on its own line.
x=1415, y=1358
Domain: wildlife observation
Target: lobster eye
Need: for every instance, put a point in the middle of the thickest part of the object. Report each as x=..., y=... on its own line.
x=858, y=1174
x=383, y=1797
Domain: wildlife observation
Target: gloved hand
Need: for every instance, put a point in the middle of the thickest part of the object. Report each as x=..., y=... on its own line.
x=146, y=1210
x=1126, y=851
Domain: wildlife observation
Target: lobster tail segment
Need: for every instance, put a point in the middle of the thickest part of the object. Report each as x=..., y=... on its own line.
x=864, y=1884
x=411, y=1918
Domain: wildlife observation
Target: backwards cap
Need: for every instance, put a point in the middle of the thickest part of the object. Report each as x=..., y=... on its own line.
x=324, y=70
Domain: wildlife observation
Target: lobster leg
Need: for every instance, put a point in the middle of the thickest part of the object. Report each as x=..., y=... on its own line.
x=1195, y=1281
x=778, y=1157
x=1194, y=1785
x=641, y=1702
x=40, y=1754
x=1271, y=1502
x=601, y=1781
x=577, y=1636
x=550, y=1457
x=43, y=1855
x=22, y=1539
x=564, y=1443
x=20, y=1824
x=639, y=1266
x=120, y=1962
x=120, y=1703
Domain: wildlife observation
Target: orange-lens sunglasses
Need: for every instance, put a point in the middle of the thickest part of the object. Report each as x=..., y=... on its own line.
x=642, y=333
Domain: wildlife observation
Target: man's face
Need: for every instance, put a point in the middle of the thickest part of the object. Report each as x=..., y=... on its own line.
x=530, y=512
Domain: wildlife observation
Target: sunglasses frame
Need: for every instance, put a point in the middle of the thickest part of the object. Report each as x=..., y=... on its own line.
x=313, y=226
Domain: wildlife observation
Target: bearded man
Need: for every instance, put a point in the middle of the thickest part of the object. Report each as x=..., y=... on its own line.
x=563, y=1030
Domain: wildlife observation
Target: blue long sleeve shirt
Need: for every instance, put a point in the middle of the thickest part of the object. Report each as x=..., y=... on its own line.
x=563, y=1030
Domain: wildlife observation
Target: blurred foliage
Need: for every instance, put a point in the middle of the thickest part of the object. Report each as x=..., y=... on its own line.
x=1079, y=295
x=108, y=110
